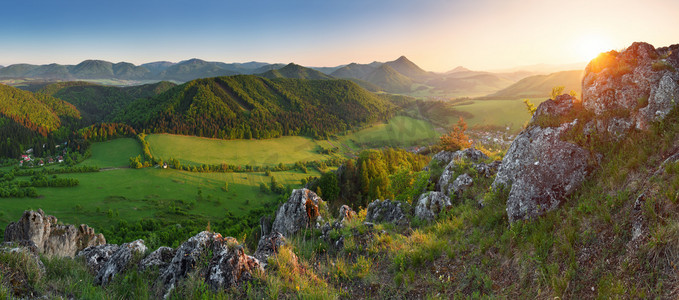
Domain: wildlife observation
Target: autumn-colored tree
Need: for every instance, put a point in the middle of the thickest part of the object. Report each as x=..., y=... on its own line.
x=456, y=139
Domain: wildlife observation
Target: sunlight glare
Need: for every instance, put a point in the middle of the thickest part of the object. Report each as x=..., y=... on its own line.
x=589, y=47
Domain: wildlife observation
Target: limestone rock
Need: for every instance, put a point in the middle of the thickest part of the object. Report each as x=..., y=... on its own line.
x=119, y=261
x=448, y=176
x=386, y=211
x=540, y=170
x=446, y=157
x=230, y=267
x=431, y=204
x=300, y=212
x=488, y=170
x=268, y=246
x=159, y=258
x=51, y=238
x=345, y=214
x=186, y=259
x=96, y=256
x=637, y=81
x=460, y=184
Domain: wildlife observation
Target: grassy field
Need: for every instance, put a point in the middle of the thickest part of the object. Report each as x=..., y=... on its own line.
x=197, y=150
x=500, y=112
x=131, y=194
x=113, y=153
x=400, y=131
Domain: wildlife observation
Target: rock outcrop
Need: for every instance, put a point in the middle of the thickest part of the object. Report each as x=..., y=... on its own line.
x=51, y=238
x=300, y=212
x=430, y=205
x=95, y=257
x=620, y=92
x=268, y=246
x=452, y=159
x=119, y=261
x=459, y=185
x=345, y=214
x=633, y=88
x=159, y=258
x=227, y=266
x=386, y=211
x=540, y=170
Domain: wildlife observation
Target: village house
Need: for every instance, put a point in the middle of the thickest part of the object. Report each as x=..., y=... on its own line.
x=60, y=159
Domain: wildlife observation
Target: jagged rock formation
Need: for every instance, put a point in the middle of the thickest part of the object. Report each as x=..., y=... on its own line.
x=300, y=212
x=159, y=258
x=431, y=204
x=268, y=246
x=632, y=88
x=459, y=185
x=488, y=170
x=95, y=257
x=51, y=238
x=386, y=211
x=448, y=183
x=228, y=265
x=119, y=261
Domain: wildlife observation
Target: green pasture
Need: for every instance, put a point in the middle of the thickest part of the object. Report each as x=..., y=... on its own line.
x=113, y=153
x=400, y=131
x=130, y=194
x=196, y=150
x=500, y=112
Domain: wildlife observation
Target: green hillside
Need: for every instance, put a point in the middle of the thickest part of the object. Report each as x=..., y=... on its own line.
x=37, y=112
x=296, y=72
x=539, y=86
x=99, y=103
x=247, y=106
x=390, y=80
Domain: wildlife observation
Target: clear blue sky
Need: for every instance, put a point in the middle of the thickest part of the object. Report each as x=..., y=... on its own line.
x=436, y=34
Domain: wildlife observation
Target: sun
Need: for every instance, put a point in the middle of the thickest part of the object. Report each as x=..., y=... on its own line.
x=589, y=47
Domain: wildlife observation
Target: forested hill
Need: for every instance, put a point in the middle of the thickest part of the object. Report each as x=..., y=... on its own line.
x=37, y=112
x=98, y=103
x=247, y=106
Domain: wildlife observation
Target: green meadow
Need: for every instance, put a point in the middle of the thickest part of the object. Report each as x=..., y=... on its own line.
x=400, y=131
x=499, y=113
x=197, y=150
x=130, y=194
x=113, y=153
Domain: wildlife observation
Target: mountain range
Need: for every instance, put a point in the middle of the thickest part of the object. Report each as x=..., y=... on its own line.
x=400, y=76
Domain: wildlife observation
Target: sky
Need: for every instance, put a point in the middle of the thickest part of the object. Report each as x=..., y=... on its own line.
x=438, y=35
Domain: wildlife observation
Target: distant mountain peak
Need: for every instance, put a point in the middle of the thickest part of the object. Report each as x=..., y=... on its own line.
x=459, y=69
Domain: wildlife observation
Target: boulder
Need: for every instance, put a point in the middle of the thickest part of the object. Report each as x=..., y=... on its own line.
x=230, y=267
x=300, y=212
x=459, y=185
x=430, y=205
x=386, y=211
x=345, y=214
x=119, y=261
x=186, y=259
x=449, y=175
x=51, y=238
x=227, y=264
x=157, y=259
x=444, y=158
x=540, y=170
x=268, y=246
x=96, y=256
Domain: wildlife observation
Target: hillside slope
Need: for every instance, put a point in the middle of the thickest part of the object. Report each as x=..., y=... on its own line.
x=99, y=103
x=247, y=106
x=539, y=86
x=295, y=71
x=37, y=112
